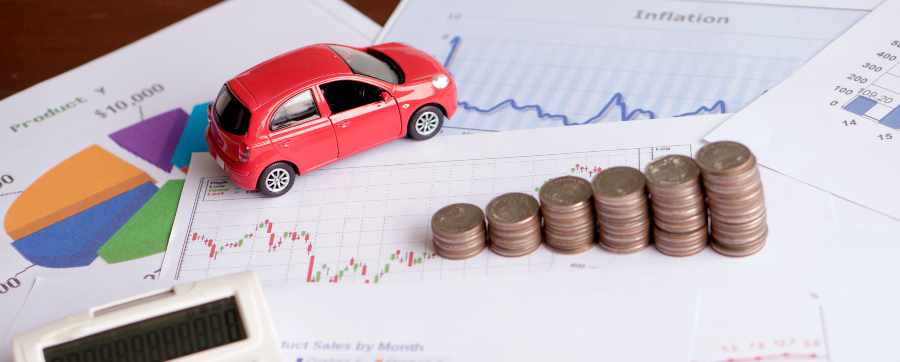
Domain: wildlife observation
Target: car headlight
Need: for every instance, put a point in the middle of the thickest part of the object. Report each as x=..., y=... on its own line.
x=440, y=81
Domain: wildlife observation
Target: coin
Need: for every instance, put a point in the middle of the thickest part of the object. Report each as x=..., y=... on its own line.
x=458, y=231
x=672, y=170
x=734, y=190
x=725, y=157
x=677, y=201
x=565, y=192
x=620, y=199
x=512, y=208
x=617, y=182
x=514, y=224
x=567, y=209
x=682, y=243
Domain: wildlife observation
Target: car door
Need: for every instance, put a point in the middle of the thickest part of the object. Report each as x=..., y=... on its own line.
x=300, y=132
x=364, y=115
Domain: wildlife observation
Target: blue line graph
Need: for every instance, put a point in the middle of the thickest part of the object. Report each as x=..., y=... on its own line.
x=616, y=101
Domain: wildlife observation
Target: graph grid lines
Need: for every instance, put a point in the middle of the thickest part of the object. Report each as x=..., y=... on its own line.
x=879, y=100
x=527, y=66
x=371, y=224
x=616, y=102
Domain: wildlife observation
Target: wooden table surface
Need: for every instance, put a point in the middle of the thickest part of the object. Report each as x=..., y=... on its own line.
x=43, y=38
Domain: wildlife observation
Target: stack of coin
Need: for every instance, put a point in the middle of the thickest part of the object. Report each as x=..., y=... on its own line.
x=734, y=190
x=514, y=224
x=459, y=231
x=679, y=211
x=623, y=216
x=568, y=214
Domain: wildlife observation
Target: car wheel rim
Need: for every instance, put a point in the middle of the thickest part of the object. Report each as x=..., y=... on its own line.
x=278, y=180
x=427, y=123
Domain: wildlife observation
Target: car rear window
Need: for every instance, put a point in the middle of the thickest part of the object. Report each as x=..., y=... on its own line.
x=375, y=65
x=231, y=115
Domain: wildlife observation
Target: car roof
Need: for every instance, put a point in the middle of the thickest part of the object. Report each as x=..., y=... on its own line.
x=288, y=71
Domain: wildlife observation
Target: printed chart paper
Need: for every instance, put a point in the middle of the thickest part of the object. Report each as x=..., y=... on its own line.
x=629, y=307
x=749, y=324
x=566, y=318
x=835, y=124
x=94, y=158
x=527, y=64
x=366, y=220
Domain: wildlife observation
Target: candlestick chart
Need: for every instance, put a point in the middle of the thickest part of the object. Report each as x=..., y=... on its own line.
x=371, y=225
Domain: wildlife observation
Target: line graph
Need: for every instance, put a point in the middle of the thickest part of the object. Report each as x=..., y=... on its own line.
x=529, y=66
x=616, y=102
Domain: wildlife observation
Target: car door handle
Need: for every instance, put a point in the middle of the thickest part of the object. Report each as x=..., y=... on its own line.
x=343, y=124
x=286, y=143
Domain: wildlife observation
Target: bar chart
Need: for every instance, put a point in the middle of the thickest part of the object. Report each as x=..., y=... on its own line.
x=879, y=101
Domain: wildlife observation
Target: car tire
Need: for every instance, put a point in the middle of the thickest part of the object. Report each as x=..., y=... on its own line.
x=425, y=123
x=276, y=180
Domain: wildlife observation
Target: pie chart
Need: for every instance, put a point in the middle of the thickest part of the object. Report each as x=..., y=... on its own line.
x=64, y=217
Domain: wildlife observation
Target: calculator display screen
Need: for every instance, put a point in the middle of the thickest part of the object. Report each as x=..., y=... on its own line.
x=162, y=338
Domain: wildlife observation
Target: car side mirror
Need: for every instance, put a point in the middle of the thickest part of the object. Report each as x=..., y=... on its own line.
x=385, y=96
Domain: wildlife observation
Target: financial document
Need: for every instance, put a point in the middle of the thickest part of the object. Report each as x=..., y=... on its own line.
x=350, y=274
x=94, y=158
x=617, y=318
x=525, y=64
x=367, y=219
x=835, y=124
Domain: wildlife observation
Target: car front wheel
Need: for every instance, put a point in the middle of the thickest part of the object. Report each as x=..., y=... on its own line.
x=425, y=123
x=276, y=180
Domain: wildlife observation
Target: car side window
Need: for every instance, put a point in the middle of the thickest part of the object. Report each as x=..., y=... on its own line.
x=298, y=110
x=342, y=95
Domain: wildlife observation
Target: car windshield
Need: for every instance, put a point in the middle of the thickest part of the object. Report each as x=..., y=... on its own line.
x=231, y=115
x=373, y=65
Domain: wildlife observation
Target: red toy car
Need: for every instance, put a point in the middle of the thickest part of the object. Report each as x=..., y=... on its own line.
x=312, y=106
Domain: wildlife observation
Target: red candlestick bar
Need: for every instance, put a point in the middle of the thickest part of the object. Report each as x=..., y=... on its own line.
x=309, y=275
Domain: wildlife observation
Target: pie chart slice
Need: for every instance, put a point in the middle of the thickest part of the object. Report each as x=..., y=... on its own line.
x=154, y=139
x=147, y=232
x=74, y=241
x=193, y=138
x=68, y=212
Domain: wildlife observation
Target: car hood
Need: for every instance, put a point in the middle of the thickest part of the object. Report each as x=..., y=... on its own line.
x=416, y=65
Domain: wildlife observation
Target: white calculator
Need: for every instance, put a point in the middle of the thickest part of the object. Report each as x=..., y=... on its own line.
x=220, y=319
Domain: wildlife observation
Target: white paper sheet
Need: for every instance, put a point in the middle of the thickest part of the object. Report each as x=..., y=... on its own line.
x=703, y=308
x=366, y=219
x=526, y=64
x=554, y=316
x=834, y=124
x=189, y=61
x=374, y=210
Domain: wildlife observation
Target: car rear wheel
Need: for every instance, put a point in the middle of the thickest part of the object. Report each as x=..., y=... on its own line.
x=425, y=123
x=276, y=180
